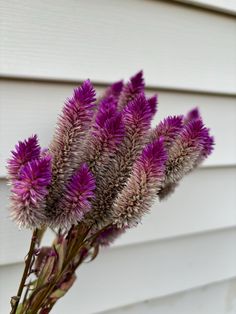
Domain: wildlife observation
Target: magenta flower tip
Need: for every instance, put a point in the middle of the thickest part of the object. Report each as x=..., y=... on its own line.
x=138, y=112
x=154, y=156
x=76, y=201
x=116, y=88
x=34, y=178
x=24, y=151
x=137, y=82
x=193, y=115
x=85, y=93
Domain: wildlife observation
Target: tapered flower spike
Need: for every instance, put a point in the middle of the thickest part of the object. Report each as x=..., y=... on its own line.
x=24, y=151
x=131, y=90
x=185, y=151
x=105, y=135
x=142, y=187
x=168, y=129
x=137, y=117
x=29, y=192
x=68, y=141
x=76, y=201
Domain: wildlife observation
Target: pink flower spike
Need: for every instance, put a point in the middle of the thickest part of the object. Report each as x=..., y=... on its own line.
x=76, y=200
x=25, y=151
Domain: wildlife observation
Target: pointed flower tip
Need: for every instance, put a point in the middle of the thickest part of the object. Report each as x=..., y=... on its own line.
x=76, y=201
x=85, y=94
x=138, y=110
x=24, y=151
x=193, y=114
x=116, y=87
x=34, y=178
x=107, y=109
x=137, y=81
x=155, y=150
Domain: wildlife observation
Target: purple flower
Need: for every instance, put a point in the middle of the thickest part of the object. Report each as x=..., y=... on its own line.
x=137, y=119
x=168, y=129
x=142, y=187
x=25, y=151
x=71, y=130
x=76, y=201
x=132, y=89
x=69, y=140
x=29, y=191
x=185, y=150
x=193, y=114
x=137, y=114
x=105, y=135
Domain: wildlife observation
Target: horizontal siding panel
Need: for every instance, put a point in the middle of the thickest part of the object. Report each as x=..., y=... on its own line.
x=205, y=200
x=217, y=298
x=177, y=46
x=32, y=107
x=226, y=6
x=136, y=273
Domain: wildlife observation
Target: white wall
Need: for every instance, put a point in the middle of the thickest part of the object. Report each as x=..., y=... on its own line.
x=182, y=259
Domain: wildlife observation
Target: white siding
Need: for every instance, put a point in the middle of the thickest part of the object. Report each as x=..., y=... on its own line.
x=183, y=258
x=178, y=46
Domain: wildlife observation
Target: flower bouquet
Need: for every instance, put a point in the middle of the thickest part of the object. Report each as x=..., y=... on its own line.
x=102, y=171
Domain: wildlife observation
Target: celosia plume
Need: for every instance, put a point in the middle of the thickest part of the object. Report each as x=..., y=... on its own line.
x=131, y=89
x=75, y=202
x=146, y=179
x=68, y=141
x=71, y=130
x=185, y=151
x=105, y=135
x=24, y=152
x=168, y=129
x=137, y=117
x=29, y=191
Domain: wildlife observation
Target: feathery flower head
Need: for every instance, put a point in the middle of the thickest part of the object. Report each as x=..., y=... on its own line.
x=138, y=113
x=105, y=135
x=130, y=90
x=142, y=186
x=168, y=129
x=29, y=191
x=25, y=151
x=73, y=122
x=69, y=139
x=75, y=202
x=186, y=150
x=107, y=110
